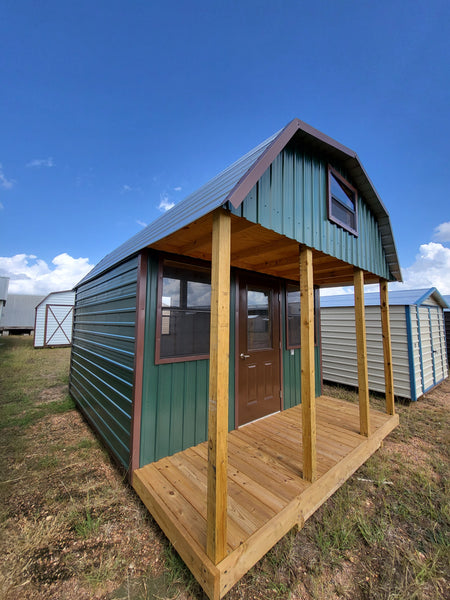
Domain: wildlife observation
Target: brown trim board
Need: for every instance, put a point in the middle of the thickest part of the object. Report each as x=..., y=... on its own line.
x=136, y=412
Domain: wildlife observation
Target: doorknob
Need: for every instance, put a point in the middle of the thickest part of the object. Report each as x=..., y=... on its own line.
x=242, y=355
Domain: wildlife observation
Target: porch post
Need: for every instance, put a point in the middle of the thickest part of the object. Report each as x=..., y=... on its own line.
x=361, y=351
x=216, y=525
x=307, y=364
x=387, y=348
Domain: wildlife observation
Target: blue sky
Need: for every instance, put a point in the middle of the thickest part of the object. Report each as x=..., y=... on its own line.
x=111, y=111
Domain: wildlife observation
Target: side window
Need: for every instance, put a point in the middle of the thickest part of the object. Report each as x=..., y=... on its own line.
x=342, y=202
x=293, y=315
x=183, y=315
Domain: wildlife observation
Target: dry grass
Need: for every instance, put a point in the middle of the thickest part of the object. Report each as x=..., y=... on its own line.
x=72, y=528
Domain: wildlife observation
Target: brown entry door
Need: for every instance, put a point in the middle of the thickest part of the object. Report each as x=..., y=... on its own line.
x=258, y=361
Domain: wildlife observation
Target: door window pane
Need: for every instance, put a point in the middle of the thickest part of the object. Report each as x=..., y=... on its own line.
x=259, y=326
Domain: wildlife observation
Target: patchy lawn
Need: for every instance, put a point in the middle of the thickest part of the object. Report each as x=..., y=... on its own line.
x=72, y=528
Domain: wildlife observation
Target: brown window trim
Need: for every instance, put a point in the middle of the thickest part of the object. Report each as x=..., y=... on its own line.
x=347, y=184
x=176, y=359
x=290, y=346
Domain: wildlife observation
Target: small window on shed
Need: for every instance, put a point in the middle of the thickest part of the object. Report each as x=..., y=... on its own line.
x=293, y=315
x=183, y=316
x=342, y=202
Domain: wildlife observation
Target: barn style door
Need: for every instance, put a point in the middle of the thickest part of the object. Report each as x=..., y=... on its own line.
x=58, y=325
x=258, y=361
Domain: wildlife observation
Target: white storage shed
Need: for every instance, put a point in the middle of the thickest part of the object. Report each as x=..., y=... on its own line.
x=447, y=326
x=54, y=319
x=18, y=314
x=419, y=354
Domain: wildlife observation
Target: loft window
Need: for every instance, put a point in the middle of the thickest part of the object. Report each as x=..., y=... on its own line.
x=342, y=202
x=183, y=315
x=293, y=313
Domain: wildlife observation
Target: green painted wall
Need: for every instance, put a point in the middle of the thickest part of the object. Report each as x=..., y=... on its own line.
x=175, y=396
x=291, y=199
x=102, y=359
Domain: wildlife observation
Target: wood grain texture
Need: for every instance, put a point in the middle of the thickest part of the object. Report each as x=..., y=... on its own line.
x=267, y=494
x=387, y=347
x=361, y=350
x=308, y=391
x=218, y=388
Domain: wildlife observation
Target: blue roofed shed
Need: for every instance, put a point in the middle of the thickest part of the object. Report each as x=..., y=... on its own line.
x=419, y=353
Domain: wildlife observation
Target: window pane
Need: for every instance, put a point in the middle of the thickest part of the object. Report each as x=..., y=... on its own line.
x=185, y=310
x=198, y=295
x=171, y=292
x=343, y=215
x=342, y=193
x=293, y=315
x=259, y=326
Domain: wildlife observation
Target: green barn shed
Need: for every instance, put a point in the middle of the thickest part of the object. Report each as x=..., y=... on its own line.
x=196, y=349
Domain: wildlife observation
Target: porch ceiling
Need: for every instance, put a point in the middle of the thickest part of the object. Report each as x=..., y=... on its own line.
x=255, y=248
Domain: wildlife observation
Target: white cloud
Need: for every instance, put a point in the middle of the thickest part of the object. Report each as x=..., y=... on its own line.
x=431, y=268
x=177, y=189
x=334, y=291
x=41, y=162
x=141, y=223
x=129, y=188
x=1, y=206
x=442, y=232
x=30, y=275
x=165, y=204
x=5, y=183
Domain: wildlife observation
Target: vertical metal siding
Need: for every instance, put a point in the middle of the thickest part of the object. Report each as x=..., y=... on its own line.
x=292, y=368
x=102, y=361
x=426, y=348
x=438, y=344
x=291, y=199
x=339, y=357
x=415, y=336
x=412, y=368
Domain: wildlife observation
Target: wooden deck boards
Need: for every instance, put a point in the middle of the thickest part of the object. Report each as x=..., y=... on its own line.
x=267, y=495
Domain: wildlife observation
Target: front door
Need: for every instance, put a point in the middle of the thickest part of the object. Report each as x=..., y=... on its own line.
x=258, y=361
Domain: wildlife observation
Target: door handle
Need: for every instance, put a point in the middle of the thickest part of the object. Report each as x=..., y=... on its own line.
x=242, y=355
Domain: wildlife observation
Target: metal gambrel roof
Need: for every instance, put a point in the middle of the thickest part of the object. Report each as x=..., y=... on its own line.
x=234, y=183
x=396, y=298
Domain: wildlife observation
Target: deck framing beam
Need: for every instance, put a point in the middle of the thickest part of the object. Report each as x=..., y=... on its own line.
x=387, y=347
x=361, y=351
x=308, y=392
x=216, y=540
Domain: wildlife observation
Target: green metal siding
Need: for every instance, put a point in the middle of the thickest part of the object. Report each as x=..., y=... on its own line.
x=102, y=361
x=175, y=395
x=292, y=367
x=291, y=199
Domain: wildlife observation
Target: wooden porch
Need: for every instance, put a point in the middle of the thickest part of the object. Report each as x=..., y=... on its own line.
x=267, y=493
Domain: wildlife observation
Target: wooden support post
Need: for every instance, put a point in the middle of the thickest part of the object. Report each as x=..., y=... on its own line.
x=307, y=359
x=216, y=542
x=361, y=351
x=387, y=347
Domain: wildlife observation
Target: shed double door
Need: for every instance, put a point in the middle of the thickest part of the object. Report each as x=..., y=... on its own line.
x=58, y=325
x=258, y=356
x=432, y=336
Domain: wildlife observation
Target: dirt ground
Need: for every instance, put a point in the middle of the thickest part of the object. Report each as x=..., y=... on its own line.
x=72, y=528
